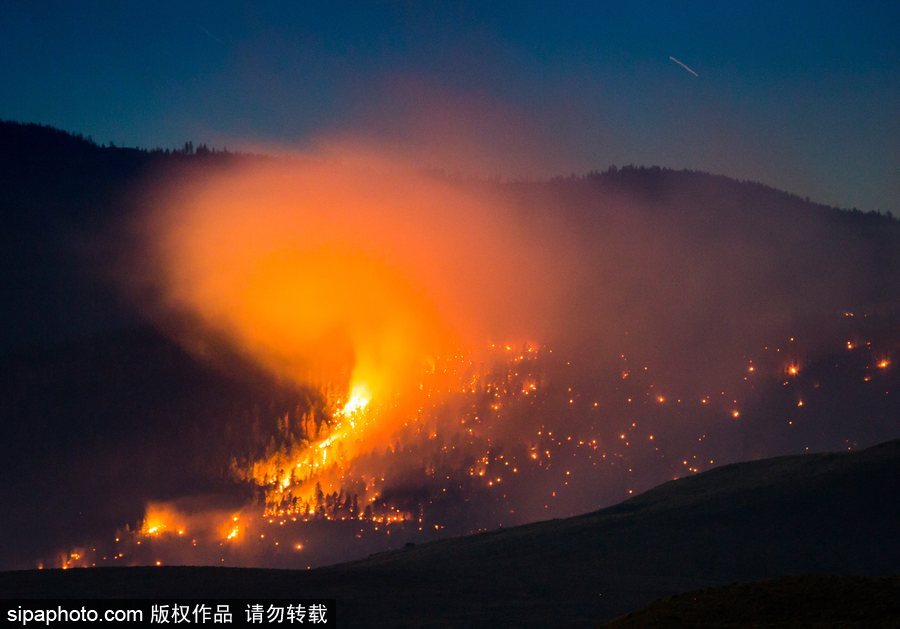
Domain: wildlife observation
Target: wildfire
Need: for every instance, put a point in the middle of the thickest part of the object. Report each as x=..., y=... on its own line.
x=293, y=478
x=161, y=519
x=357, y=402
x=329, y=475
x=343, y=460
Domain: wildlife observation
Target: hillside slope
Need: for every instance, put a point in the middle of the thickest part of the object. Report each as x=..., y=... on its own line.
x=817, y=601
x=812, y=514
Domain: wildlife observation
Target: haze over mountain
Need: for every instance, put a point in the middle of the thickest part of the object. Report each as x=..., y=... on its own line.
x=672, y=284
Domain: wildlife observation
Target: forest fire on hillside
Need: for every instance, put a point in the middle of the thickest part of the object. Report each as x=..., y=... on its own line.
x=515, y=437
x=325, y=459
x=369, y=292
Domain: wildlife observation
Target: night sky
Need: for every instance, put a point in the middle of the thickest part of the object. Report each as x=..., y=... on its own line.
x=801, y=96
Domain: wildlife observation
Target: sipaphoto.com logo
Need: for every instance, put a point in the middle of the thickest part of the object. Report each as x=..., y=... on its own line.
x=47, y=616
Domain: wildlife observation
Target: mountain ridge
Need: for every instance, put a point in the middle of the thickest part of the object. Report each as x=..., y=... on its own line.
x=17, y=137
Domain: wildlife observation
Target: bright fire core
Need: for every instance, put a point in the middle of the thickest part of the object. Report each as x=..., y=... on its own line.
x=358, y=400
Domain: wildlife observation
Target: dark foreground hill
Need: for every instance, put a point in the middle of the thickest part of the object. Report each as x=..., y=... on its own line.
x=819, y=514
x=809, y=601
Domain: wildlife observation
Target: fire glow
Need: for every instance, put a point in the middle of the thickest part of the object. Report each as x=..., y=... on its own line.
x=349, y=273
x=474, y=429
x=377, y=289
x=345, y=269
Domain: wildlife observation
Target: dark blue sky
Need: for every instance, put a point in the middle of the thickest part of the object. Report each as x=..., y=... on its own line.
x=802, y=96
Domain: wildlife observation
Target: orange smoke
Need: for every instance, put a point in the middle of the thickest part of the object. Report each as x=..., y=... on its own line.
x=346, y=267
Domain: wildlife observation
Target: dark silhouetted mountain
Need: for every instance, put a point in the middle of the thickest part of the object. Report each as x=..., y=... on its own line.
x=57, y=192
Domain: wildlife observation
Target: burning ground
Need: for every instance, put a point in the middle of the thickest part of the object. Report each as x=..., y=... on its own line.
x=513, y=444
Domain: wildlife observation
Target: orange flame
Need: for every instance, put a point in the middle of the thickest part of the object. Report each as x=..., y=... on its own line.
x=348, y=271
